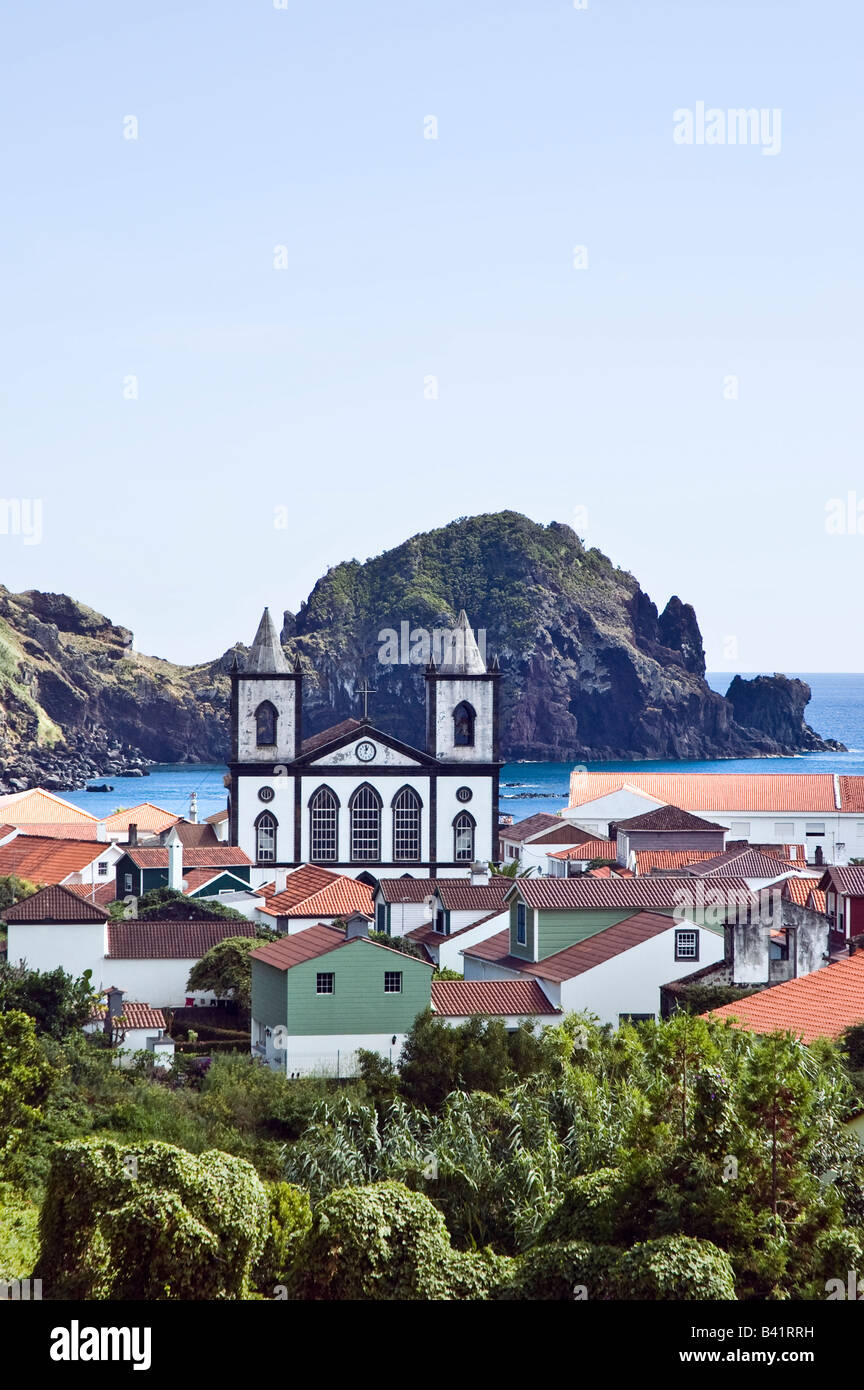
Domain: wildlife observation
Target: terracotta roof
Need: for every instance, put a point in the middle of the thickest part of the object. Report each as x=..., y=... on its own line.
x=497, y=950
x=455, y=998
x=564, y=834
x=744, y=863
x=102, y=895
x=347, y=726
x=155, y=940
x=590, y=849
x=54, y=904
x=602, y=871
x=316, y=941
x=62, y=830
x=647, y=860
x=667, y=818
x=408, y=890
x=195, y=835
x=801, y=890
x=428, y=933
x=717, y=791
x=313, y=892
x=848, y=880
x=461, y=895
x=852, y=795
x=532, y=825
x=46, y=859
x=584, y=955
x=135, y=1015
x=194, y=858
x=648, y=891
x=145, y=815
x=216, y=818
x=817, y=900
x=798, y=852
x=819, y=1005
x=38, y=805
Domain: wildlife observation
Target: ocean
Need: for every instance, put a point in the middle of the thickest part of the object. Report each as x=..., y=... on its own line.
x=836, y=710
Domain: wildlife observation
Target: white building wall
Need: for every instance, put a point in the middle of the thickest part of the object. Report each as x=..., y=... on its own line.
x=630, y=983
x=76, y=946
x=450, y=947
x=448, y=693
x=327, y=1054
x=480, y=807
x=251, y=694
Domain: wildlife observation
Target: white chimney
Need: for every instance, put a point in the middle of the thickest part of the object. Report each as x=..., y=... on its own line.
x=357, y=925
x=281, y=880
x=175, y=860
x=101, y=832
x=193, y=808
x=479, y=872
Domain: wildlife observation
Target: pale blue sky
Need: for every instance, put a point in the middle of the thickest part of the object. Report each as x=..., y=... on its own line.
x=558, y=388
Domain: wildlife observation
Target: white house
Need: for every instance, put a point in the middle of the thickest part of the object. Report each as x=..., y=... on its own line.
x=134, y=1027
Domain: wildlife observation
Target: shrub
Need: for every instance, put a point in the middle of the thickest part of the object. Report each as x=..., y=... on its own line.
x=384, y=1242
x=19, y=1240
x=589, y=1210
x=675, y=1267
x=289, y=1218
x=149, y=1221
x=553, y=1272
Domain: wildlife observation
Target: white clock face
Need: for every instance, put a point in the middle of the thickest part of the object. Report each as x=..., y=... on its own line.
x=365, y=751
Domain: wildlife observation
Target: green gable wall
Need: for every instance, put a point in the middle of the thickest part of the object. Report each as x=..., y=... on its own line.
x=525, y=952
x=358, y=1003
x=268, y=994
x=558, y=930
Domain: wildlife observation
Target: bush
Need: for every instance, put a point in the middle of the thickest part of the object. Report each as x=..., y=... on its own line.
x=554, y=1271
x=589, y=1211
x=149, y=1222
x=384, y=1242
x=675, y=1267
x=19, y=1233
x=289, y=1218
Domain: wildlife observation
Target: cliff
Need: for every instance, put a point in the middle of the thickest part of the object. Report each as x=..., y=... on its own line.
x=591, y=669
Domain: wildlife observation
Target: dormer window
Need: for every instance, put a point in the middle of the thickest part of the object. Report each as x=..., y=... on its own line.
x=463, y=725
x=265, y=724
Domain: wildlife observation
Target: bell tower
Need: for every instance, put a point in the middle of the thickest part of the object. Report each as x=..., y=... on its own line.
x=462, y=702
x=266, y=702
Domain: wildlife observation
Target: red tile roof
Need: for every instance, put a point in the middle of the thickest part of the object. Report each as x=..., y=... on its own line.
x=805, y=892
x=202, y=857
x=532, y=825
x=38, y=805
x=44, y=859
x=648, y=891
x=102, y=895
x=461, y=895
x=819, y=1005
x=155, y=940
x=408, y=890
x=668, y=818
x=216, y=818
x=428, y=933
x=718, y=791
x=848, y=880
x=744, y=863
x=347, y=726
x=195, y=835
x=135, y=1015
x=317, y=941
x=314, y=892
x=54, y=904
x=62, y=830
x=590, y=849
x=647, y=860
x=145, y=815
x=456, y=998
x=852, y=795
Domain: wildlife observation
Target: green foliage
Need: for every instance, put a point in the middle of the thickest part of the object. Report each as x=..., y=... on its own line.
x=158, y=902
x=561, y=1273
x=226, y=969
x=25, y=1079
x=444, y=973
x=699, y=999
x=54, y=1000
x=15, y=890
x=480, y=1055
x=289, y=1218
x=673, y=1268
x=383, y=1242
x=150, y=1222
x=397, y=943
x=19, y=1233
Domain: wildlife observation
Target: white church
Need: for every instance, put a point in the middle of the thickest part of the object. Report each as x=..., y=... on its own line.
x=353, y=798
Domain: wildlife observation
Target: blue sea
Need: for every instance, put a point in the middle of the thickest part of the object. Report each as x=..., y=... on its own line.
x=836, y=710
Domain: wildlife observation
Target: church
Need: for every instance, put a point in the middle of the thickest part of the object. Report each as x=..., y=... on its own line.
x=353, y=798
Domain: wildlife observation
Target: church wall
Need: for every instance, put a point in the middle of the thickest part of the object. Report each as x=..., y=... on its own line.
x=249, y=806
x=344, y=787
x=252, y=693
x=480, y=695
x=480, y=807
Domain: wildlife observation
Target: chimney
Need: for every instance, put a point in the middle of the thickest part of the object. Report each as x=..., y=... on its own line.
x=101, y=832
x=479, y=872
x=175, y=861
x=133, y=835
x=193, y=808
x=281, y=880
x=114, y=1009
x=356, y=925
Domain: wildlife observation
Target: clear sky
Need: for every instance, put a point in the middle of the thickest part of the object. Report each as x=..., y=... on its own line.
x=594, y=396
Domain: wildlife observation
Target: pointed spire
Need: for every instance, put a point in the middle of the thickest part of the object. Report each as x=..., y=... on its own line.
x=462, y=657
x=266, y=656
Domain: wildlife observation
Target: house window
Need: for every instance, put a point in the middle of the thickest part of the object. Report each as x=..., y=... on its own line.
x=740, y=830
x=381, y=918
x=441, y=921
x=325, y=982
x=521, y=925
x=686, y=945
x=365, y=807
x=784, y=830
x=265, y=724
x=463, y=837
x=779, y=945
x=814, y=828
x=127, y=883
x=406, y=826
x=392, y=981
x=102, y=868
x=265, y=838
x=324, y=826
x=463, y=725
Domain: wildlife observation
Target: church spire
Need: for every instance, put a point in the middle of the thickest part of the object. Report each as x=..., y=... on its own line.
x=462, y=656
x=266, y=656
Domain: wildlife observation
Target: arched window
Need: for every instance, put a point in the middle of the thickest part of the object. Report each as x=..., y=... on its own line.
x=463, y=725
x=324, y=826
x=265, y=723
x=365, y=807
x=463, y=836
x=406, y=826
x=265, y=838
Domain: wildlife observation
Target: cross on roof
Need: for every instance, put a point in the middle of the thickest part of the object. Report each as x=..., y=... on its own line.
x=366, y=690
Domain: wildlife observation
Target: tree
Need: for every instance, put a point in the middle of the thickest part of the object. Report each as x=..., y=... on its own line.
x=169, y=903
x=15, y=890
x=57, y=1002
x=510, y=870
x=226, y=969
x=397, y=943
x=25, y=1078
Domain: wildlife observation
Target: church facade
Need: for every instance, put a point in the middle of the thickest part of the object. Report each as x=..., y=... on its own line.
x=354, y=799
